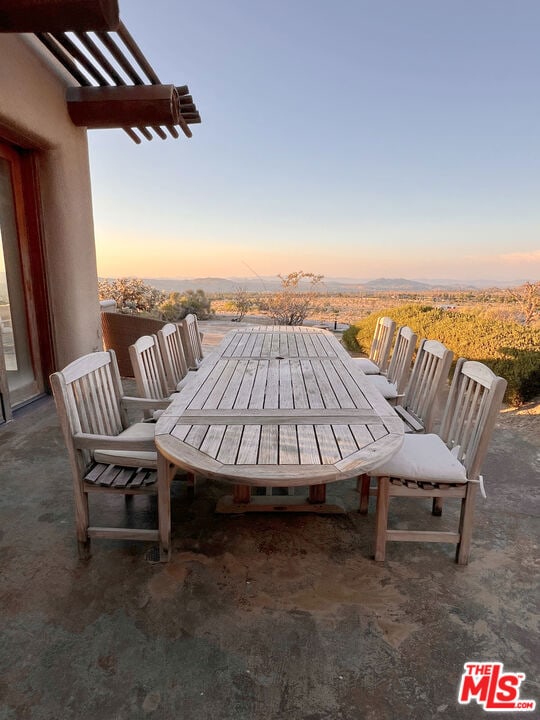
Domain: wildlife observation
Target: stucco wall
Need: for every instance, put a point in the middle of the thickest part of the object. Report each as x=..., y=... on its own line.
x=33, y=114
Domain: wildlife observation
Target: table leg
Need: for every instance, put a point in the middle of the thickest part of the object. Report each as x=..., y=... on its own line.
x=241, y=494
x=317, y=494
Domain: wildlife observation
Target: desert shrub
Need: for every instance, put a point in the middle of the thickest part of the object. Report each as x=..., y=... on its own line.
x=131, y=294
x=291, y=305
x=508, y=348
x=241, y=303
x=178, y=305
x=349, y=338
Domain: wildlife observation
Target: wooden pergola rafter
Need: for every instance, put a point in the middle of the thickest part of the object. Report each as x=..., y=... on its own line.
x=117, y=86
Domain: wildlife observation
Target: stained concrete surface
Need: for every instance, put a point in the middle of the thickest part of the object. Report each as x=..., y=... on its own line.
x=274, y=617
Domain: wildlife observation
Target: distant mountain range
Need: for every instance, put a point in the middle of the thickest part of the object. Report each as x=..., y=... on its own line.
x=213, y=285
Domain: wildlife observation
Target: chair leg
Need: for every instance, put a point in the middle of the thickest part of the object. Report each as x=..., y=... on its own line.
x=84, y=549
x=364, y=481
x=466, y=524
x=381, y=517
x=82, y=521
x=165, y=473
x=437, y=506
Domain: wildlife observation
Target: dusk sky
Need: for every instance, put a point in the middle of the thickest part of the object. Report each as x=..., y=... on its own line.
x=348, y=138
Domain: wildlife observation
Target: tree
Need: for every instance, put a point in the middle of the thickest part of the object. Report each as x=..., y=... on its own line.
x=291, y=305
x=131, y=294
x=527, y=296
x=242, y=303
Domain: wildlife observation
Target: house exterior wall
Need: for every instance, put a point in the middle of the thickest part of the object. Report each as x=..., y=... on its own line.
x=33, y=116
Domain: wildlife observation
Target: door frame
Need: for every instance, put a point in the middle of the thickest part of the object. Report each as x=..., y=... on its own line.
x=28, y=216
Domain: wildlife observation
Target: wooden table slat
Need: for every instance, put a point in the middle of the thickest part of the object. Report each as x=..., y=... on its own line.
x=328, y=448
x=269, y=445
x=212, y=440
x=249, y=446
x=230, y=445
x=288, y=445
x=300, y=398
x=312, y=387
x=307, y=445
x=246, y=386
x=345, y=440
x=285, y=385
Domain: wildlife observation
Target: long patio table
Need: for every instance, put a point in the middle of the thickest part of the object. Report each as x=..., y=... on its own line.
x=277, y=407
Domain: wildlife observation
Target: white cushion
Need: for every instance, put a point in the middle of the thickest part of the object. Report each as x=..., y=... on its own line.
x=367, y=366
x=387, y=389
x=423, y=457
x=131, y=458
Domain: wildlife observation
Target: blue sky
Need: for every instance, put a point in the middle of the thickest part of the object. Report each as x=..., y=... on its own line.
x=353, y=139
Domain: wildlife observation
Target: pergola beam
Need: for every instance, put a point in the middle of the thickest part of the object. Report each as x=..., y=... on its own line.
x=19, y=16
x=126, y=106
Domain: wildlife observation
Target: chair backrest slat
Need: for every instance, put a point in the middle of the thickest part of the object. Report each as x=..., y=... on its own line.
x=381, y=343
x=148, y=368
x=471, y=411
x=400, y=365
x=191, y=340
x=172, y=354
x=427, y=381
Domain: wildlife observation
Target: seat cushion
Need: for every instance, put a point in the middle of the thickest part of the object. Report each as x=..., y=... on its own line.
x=367, y=366
x=131, y=458
x=387, y=389
x=423, y=457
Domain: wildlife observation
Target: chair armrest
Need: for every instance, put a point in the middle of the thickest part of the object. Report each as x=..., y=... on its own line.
x=85, y=441
x=145, y=403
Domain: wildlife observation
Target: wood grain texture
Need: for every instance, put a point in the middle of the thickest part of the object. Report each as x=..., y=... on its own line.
x=278, y=406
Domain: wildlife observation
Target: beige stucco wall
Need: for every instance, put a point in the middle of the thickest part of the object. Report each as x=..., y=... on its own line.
x=33, y=114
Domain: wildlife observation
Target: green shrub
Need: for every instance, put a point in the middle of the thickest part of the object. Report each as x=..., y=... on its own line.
x=178, y=305
x=349, y=339
x=509, y=349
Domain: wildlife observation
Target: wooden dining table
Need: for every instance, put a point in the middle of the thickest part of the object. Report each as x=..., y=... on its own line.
x=277, y=406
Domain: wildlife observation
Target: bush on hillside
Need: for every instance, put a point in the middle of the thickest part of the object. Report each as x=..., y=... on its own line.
x=509, y=349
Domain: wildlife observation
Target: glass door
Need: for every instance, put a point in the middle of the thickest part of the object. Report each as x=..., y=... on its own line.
x=18, y=381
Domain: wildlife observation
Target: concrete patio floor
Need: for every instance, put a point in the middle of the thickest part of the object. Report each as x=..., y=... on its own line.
x=256, y=617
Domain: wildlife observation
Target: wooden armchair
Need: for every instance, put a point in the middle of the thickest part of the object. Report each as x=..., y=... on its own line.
x=105, y=452
x=381, y=345
x=446, y=465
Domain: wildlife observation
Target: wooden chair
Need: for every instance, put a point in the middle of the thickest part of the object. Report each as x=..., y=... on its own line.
x=191, y=340
x=392, y=385
x=105, y=452
x=428, y=378
x=446, y=465
x=173, y=356
x=148, y=368
x=380, y=348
